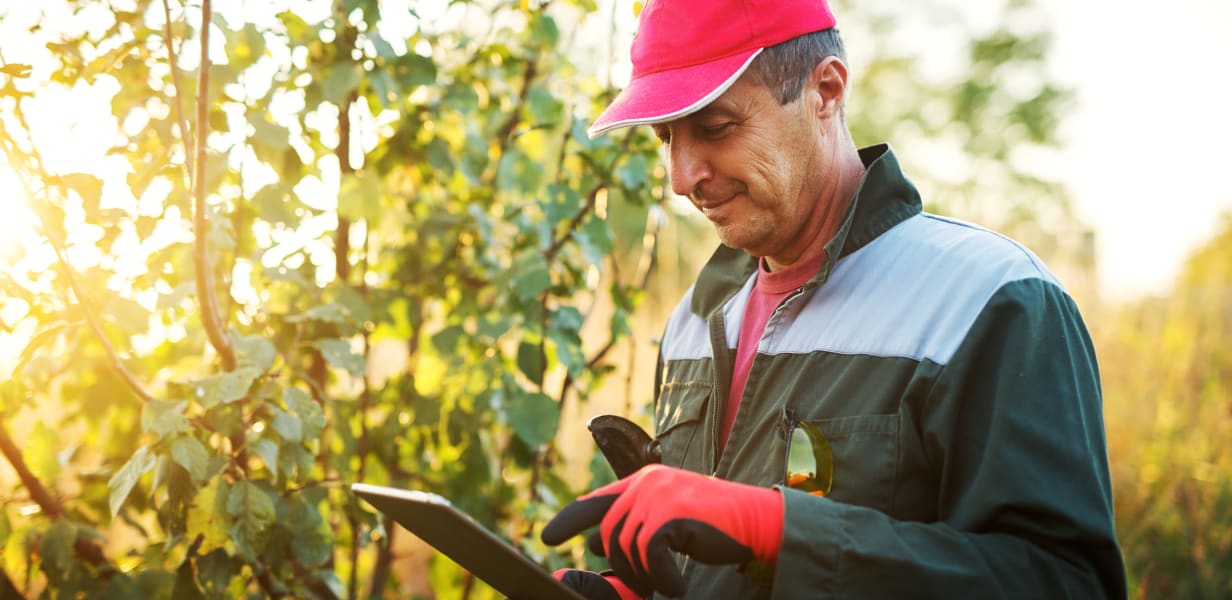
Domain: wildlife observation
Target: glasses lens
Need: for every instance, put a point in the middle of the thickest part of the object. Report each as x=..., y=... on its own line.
x=810, y=465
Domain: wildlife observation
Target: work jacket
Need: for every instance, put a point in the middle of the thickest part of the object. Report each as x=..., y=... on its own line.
x=957, y=387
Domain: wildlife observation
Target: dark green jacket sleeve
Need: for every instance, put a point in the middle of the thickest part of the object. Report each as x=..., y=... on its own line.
x=1013, y=427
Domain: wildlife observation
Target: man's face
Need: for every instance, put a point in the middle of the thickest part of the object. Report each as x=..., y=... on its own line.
x=754, y=167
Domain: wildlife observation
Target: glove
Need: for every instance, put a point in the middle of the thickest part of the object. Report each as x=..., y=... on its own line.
x=658, y=509
x=596, y=586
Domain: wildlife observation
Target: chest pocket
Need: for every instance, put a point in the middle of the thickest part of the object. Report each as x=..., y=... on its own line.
x=865, y=451
x=678, y=424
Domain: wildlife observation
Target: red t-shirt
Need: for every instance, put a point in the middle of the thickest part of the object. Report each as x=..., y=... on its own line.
x=769, y=290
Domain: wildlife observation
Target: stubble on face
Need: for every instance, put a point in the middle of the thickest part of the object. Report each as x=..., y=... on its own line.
x=759, y=196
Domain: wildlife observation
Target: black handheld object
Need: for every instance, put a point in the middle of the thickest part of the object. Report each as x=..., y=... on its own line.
x=626, y=446
x=456, y=535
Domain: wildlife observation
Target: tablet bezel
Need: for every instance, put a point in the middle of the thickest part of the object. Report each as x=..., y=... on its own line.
x=435, y=520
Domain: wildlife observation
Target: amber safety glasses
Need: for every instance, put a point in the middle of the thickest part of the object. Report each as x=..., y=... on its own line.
x=810, y=463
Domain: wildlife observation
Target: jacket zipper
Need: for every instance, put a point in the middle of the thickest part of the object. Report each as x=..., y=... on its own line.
x=718, y=345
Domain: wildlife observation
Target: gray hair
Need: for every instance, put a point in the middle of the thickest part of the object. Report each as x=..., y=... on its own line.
x=784, y=68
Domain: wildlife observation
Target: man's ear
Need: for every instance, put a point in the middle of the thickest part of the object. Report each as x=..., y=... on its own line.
x=828, y=85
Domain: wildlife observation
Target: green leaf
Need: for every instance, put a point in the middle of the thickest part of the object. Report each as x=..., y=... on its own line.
x=207, y=515
x=440, y=157
x=383, y=48
x=223, y=388
x=248, y=501
x=534, y=417
x=310, y=414
x=294, y=462
x=356, y=304
x=568, y=347
x=414, y=70
x=565, y=203
x=164, y=417
x=383, y=87
x=121, y=484
x=532, y=360
x=545, y=108
x=274, y=205
x=56, y=547
x=216, y=569
x=531, y=277
x=543, y=29
x=287, y=425
x=254, y=43
x=568, y=318
x=268, y=133
x=251, y=510
x=312, y=543
x=342, y=78
x=633, y=172
x=359, y=196
x=339, y=355
x=595, y=240
x=191, y=455
x=578, y=134
x=226, y=419
x=256, y=351
x=446, y=340
x=267, y=451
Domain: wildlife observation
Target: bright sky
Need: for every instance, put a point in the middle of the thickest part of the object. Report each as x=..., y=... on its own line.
x=1149, y=145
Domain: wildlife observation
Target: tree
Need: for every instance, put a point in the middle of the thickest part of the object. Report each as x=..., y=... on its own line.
x=466, y=228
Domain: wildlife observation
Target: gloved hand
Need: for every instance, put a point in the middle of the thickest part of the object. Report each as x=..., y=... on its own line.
x=658, y=509
x=596, y=586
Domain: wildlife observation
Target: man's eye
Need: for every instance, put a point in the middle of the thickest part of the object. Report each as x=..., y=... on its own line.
x=713, y=131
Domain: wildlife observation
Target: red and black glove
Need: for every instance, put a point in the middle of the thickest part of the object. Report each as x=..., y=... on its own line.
x=596, y=586
x=659, y=509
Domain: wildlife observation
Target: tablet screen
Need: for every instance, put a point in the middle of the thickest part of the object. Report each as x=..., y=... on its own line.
x=436, y=521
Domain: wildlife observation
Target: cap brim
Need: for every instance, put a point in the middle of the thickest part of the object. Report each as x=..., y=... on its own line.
x=668, y=95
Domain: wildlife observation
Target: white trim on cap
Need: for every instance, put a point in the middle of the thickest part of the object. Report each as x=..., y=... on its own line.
x=690, y=109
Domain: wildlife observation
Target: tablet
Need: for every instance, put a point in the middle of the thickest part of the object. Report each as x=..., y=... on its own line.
x=456, y=535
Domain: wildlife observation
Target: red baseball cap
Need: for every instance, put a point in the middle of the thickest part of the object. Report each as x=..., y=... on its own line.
x=686, y=53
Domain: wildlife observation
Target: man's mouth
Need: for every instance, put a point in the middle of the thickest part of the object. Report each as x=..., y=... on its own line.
x=711, y=205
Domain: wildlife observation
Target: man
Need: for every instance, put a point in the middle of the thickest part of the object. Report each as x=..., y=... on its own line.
x=950, y=374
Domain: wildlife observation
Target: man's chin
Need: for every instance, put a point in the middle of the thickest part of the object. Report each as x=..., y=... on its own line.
x=738, y=242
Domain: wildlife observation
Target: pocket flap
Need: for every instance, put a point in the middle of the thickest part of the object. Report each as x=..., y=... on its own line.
x=681, y=402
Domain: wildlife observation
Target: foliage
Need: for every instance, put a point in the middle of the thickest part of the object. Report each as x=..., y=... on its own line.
x=1167, y=367
x=467, y=234
x=971, y=107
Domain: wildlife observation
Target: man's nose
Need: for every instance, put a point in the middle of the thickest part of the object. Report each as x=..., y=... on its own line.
x=689, y=166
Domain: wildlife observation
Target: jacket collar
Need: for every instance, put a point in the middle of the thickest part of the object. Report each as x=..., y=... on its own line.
x=884, y=199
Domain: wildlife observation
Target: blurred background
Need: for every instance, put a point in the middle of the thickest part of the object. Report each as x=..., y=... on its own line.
x=370, y=241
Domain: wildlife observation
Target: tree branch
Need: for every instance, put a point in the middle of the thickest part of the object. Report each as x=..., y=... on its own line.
x=57, y=245
x=515, y=115
x=185, y=134
x=39, y=494
x=201, y=260
x=586, y=209
x=8, y=589
x=50, y=506
x=116, y=364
